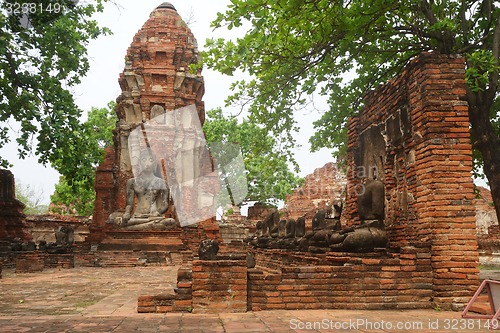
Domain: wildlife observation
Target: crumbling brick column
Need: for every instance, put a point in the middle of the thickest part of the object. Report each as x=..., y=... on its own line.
x=413, y=134
x=443, y=155
x=12, y=218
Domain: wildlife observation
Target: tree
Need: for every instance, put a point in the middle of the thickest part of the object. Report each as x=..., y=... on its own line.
x=296, y=48
x=43, y=53
x=77, y=195
x=31, y=198
x=268, y=176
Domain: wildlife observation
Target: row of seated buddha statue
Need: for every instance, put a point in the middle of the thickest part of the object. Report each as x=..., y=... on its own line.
x=327, y=234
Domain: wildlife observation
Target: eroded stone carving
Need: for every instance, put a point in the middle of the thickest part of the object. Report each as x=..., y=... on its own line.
x=327, y=233
x=65, y=237
x=250, y=260
x=300, y=227
x=208, y=249
x=371, y=202
x=363, y=238
x=152, y=196
x=290, y=228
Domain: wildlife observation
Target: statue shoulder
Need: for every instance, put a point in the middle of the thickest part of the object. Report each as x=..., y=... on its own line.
x=159, y=183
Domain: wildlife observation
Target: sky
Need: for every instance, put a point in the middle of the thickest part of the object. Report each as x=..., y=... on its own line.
x=106, y=56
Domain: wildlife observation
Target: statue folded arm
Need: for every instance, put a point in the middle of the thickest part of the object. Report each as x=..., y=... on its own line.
x=162, y=197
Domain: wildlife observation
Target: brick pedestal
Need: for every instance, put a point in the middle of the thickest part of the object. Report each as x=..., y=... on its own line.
x=184, y=291
x=29, y=262
x=220, y=285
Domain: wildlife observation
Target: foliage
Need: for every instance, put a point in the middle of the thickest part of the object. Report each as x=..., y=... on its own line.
x=31, y=198
x=75, y=199
x=39, y=63
x=77, y=195
x=292, y=49
x=268, y=175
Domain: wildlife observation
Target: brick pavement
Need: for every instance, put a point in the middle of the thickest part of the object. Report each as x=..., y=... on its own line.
x=105, y=299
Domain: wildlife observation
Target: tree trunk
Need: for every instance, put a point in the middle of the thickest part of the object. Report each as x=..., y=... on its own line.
x=486, y=140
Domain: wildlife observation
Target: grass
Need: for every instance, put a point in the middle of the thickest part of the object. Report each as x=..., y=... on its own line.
x=489, y=268
x=85, y=304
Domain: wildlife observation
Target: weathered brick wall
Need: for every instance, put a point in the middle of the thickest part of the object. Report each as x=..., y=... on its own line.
x=29, y=262
x=44, y=227
x=131, y=258
x=340, y=281
x=208, y=286
x=65, y=261
x=220, y=285
x=184, y=291
x=12, y=219
x=179, y=301
x=321, y=189
x=259, y=211
x=230, y=233
x=487, y=228
x=159, y=303
x=485, y=211
x=417, y=128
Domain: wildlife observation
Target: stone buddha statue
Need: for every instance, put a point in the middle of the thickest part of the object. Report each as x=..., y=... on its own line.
x=152, y=195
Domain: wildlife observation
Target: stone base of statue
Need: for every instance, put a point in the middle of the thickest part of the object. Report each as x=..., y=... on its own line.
x=149, y=223
x=142, y=222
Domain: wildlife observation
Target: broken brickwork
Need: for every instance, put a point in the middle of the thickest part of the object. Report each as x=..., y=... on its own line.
x=487, y=228
x=44, y=227
x=321, y=189
x=30, y=262
x=259, y=211
x=208, y=286
x=486, y=216
x=12, y=218
x=220, y=285
x=380, y=280
x=413, y=134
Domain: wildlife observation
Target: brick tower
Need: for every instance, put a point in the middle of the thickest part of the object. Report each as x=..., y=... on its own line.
x=157, y=79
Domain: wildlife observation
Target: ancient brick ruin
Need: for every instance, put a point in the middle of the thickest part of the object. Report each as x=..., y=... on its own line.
x=413, y=136
x=156, y=80
x=321, y=189
x=414, y=133
x=487, y=228
x=44, y=227
x=12, y=219
x=486, y=217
